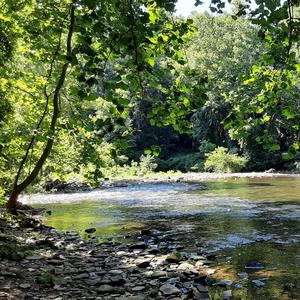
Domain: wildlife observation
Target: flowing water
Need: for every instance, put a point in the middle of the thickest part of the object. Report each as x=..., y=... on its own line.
x=246, y=220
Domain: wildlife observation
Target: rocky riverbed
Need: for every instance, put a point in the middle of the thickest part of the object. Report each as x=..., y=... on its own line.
x=39, y=262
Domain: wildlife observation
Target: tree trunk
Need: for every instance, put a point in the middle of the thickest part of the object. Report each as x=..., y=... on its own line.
x=19, y=188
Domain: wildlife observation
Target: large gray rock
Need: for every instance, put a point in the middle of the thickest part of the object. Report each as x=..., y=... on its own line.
x=169, y=289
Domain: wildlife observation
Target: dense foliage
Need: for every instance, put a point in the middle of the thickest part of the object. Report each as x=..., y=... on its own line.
x=92, y=89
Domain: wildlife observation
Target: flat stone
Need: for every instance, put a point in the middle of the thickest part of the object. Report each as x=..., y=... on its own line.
x=169, y=289
x=81, y=276
x=138, y=288
x=174, y=257
x=117, y=280
x=93, y=281
x=116, y=272
x=201, y=288
x=158, y=274
x=35, y=257
x=173, y=280
x=138, y=297
x=25, y=285
x=105, y=288
x=187, y=267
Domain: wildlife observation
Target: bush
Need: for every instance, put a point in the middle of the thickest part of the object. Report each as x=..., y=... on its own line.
x=221, y=161
x=206, y=147
x=147, y=164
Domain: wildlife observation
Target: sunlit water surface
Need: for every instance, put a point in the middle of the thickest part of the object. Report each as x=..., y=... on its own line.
x=244, y=220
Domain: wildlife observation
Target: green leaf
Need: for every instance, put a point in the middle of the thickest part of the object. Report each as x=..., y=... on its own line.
x=275, y=148
x=186, y=102
x=288, y=113
x=150, y=61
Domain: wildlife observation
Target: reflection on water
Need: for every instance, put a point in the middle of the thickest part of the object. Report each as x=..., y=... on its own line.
x=244, y=220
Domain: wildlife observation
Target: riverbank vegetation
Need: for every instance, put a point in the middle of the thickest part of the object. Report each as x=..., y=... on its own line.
x=97, y=89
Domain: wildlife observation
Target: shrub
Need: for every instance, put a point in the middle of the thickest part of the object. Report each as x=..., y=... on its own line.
x=147, y=164
x=206, y=147
x=221, y=161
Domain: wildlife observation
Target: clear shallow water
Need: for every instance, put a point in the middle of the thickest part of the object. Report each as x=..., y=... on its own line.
x=244, y=220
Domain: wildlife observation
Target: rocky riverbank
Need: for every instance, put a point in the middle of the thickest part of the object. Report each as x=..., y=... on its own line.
x=152, y=178
x=38, y=262
x=192, y=178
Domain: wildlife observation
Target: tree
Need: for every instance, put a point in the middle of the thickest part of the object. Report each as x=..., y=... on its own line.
x=266, y=108
x=80, y=38
x=224, y=49
x=109, y=49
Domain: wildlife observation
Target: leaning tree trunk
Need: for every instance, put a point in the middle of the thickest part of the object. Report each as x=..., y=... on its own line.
x=18, y=188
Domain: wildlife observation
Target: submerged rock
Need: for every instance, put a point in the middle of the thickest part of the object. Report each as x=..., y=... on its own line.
x=254, y=266
x=90, y=230
x=243, y=275
x=224, y=283
x=258, y=283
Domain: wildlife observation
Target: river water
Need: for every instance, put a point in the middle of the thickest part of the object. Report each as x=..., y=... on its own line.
x=243, y=221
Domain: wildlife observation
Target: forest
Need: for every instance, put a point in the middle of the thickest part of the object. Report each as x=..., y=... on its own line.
x=164, y=150
x=98, y=90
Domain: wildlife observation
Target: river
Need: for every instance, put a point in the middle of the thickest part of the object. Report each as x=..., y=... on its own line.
x=243, y=221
